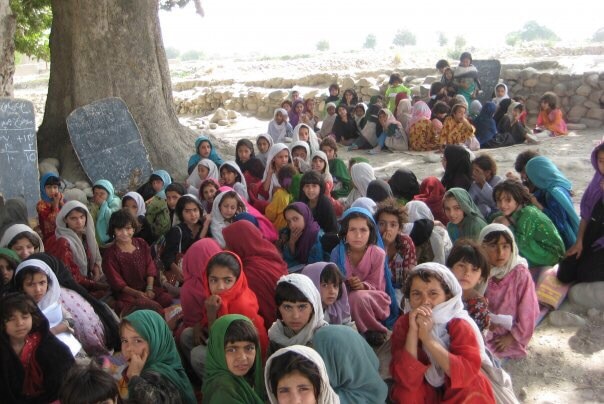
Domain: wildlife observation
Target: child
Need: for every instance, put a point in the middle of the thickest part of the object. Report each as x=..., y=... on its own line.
x=537, y=237
x=404, y=185
x=9, y=260
x=403, y=111
x=395, y=86
x=251, y=167
x=342, y=183
x=465, y=220
x=22, y=239
x=303, y=132
x=362, y=174
x=231, y=176
x=345, y=128
x=359, y=115
x=334, y=94
x=264, y=143
x=203, y=150
x=363, y=262
x=549, y=120
x=297, y=374
x=134, y=203
x=161, y=211
x=484, y=174
x=334, y=297
x=392, y=134
x=50, y=204
x=587, y=254
x=279, y=129
x=105, y=202
x=312, y=193
x=34, y=362
x=474, y=110
x=449, y=81
x=349, y=99
x=130, y=270
x=458, y=167
x=378, y=191
x=301, y=156
x=518, y=130
x=148, y=346
x=233, y=371
x=554, y=194
x=469, y=264
x=400, y=250
x=207, y=192
x=88, y=384
x=301, y=241
x=457, y=130
x=320, y=164
x=309, y=116
x=278, y=156
x=501, y=93
x=330, y=118
x=206, y=169
x=296, y=113
x=420, y=128
x=281, y=198
x=466, y=78
x=510, y=291
x=431, y=192
x=287, y=106
x=431, y=240
x=437, y=349
x=486, y=127
x=224, y=209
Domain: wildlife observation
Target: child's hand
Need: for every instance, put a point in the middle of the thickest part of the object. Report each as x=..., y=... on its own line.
x=149, y=294
x=213, y=303
x=56, y=199
x=575, y=249
x=424, y=325
x=503, y=342
x=136, y=364
x=96, y=272
x=198, y=337
x=295, y=234
x=355, y=283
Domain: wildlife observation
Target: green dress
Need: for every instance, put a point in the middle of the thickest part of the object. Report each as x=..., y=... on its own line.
x=473, y=221
x=341, y=176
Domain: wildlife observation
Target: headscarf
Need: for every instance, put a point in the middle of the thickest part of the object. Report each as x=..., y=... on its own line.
x=352, y=365
x=163, y=356
x=206, y=205
x=75, y=243
x=301, y=143
x=272, y=152
x=594, y=194
x=313, y=142
x=247, y=143
x=502, y=109
x=241, y=189
x=13, y=260
x=218, y=222
x=277, y=331
x=110, y=205
x=263, y=156
x=473, y=222
x=43, y=180
x=379, y=191
x=359, y=119
x=474, y=109
x=308, y=238
x=166, y=179
x=513, y=261
x=420, y=111
x=403, y=184
x=486, y=127
x=327, y=396
x=14, y=211
x=403, y=111
x=362, y=174
x=421, y=222
x=218, y=377
x=277, y=132
x=431, y=192
x=16, y=229
x=194, y=181
x=458, y=172
x=391, y=123
x=510, y=110
x=442, y=313
x=326, y=174
x=294, y=119
x=194, y=159
x=141, y=208
x=365, y=203
x=497, y=100
x=340, y=309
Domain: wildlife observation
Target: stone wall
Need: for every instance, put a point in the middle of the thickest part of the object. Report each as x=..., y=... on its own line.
x=581, y=95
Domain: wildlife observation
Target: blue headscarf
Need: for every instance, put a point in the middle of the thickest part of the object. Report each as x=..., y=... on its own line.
x=388, y=322
x=194, y=159
x=43, y=180
x=165, y=177
x=112, y=204
x=486, y=128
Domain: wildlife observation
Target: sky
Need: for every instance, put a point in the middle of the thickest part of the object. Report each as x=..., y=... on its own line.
x=271, y=27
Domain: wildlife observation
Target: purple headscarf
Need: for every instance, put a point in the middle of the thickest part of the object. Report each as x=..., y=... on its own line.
x=593, y=194
x=294, y=118
x=309, y=236
x=340, y=310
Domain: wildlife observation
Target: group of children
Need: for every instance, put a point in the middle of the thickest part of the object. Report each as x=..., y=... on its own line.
x=272, y=277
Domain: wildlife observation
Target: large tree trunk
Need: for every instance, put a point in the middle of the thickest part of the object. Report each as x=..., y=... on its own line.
x=7, y=49
x=103, y=48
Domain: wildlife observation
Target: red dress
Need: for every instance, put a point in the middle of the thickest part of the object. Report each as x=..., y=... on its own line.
x=467, y=384
x=47, y=218
x=61, y=249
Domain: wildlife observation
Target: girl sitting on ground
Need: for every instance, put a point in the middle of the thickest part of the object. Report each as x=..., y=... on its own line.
x=312, y=193
x=484, y=176
x=431, y=239
x=279, y=128
x=342, y=183
x=104, y=203
x=465, y=220
x=421, y=130
x=48, y=207
x=231, y=176
x=550, y=120
x=245, y=157
x=263, y=143
x=301, y=241
x=334, y=297
x=203, y=150
x=206, y=169
x=135, y=204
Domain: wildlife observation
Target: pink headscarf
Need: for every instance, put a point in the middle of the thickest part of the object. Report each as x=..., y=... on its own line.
x=420, y=111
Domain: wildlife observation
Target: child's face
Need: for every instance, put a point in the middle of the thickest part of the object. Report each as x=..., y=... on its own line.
x=124, y=234
x=359, y=112
x=202, y=172
x=442, y=115
x=459, y=114
x=244, y=153
x=453, y=210
x=348, y=96
x=157, y=185
x=318, y=164
x=36, y=286
x=131, y=205
x=395, y=83
x=358, y=233
x=220, y=279
x=281, y=159
x=240, y=357
x=331, y=153
x=449, y=74
x=427, y=294
x=263, y=143
x=6, y=271
x=295, y=315
x=299, y=152
x=76, y=221
x=295, y=388
x=18, y=325
x=171, y=198
x=299, y=108
x=342, y=112
x=228, y=208
x=389, y=227
x=500, y=91
x=499, y=252
x=133, y=343
x=303, y=134
x=600, y=161
x=228, y=176
x=506, y=204
x=329, y=293
x=465, y=62
x=544, y=105
x=278, y=119
x=310, y=105
x=99, y=195
x=383, y=118
x=191, y=213
x=478, y=173
x=24, y=248
x=205, y=149
x=516, y=114
x=295, y=95
x=287, y=106
x=334, y=92
x=312, y=191
x=467, y=274
x=295, y=221
x=209, y=192
x=51, y=190
x=331, y=110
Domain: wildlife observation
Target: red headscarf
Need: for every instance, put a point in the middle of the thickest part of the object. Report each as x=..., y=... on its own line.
x=262, y=263
x=431, y=192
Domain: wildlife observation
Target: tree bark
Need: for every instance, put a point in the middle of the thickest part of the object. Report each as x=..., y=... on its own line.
x=7, y=49
x=112, y=48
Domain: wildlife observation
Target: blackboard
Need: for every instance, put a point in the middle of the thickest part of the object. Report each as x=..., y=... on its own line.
x=19, y=176
x=488, y=73
x=108, y=144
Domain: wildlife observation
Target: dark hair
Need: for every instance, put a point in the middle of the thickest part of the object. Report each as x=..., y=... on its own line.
x=334, y=86
x=436, y=87
x=100, y=187
x=206, y=184
x=52, y=180
x=358, y=215
x=87, y=384
x=286, y=292
x=457, y=105
x=183, y=201
x=513, y=188
x=25, y=234
x=155, y=177
x=311, y=177
x=523, y=158
x=391, y=207
x=551, y=99
x=519, y=107
x=286, y=102
x=224, y=259
x=290, y=362
x=247, y=143
x=486, y=163
x=81, y=210
x=17, y=301
x=395, y=77
x=241, y=330
x=466, y=250
x=441, y=64
x=355, y=98
x=440, y=107
x=494, y=236
x=176, y=187
x=28, y=272
x=231, y=169
x=425, y=276
x=331, y=274
x=331, y=143
x=465, y=55
x=120, y=219
x=234, y=195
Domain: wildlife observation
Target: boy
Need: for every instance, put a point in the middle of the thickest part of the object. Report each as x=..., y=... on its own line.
x=395, y=86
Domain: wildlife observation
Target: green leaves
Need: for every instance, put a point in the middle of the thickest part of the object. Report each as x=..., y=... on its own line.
x=34, y=18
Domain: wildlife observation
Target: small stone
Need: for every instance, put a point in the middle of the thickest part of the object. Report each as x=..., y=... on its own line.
x=223, y=122
x=82, y=185
x=593, y=313
x=220, y=114
x=232, y=114
x=52, y=161
x=588, y=295
x=75, y=194
x=213, y=125
x=565, y=319
x=46, y=168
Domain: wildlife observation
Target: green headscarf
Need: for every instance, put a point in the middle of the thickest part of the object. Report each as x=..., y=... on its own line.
x=473, y=221
x=219, y=384
x=112, y=204
x=163, y=356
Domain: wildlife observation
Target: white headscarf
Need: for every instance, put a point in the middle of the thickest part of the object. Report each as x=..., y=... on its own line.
x=195, y=182
x=497, y=100
x=365, y=203
x=439, y=239
x=263, y=156
x=218, y=222
x=327, y=396
x=278, y=132
x=273, y=151
x=515, y=259
x=75, y=243
x=313, y=142
x=15, y=229
x=362, y=174
x=305, y=285
x=326, y=174
x=241, y=186
x=141, y=208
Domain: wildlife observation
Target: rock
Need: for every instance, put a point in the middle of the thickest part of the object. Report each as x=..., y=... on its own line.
x=596, y=96
x=220, y=114
x=530, y=82
x=592, y=80
x=565, y=319
x=82, y=185
x=577, y=99
x=232, y=114
x=46, y=168
x=223, y=122
x=213, y=125
x=546, y=78
x=589, y=295
x=366, y=82
x=431, y=158
x=528, y=73
x=75, y=194
x=584, y=90
x=347, y=82
x=510, y=74
x=576, y=126
x=373, y=90
x=591, y=123
x=593, y=313
x=560, y=89
x=596, y=113
x=576, y=112
x=52, y=161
